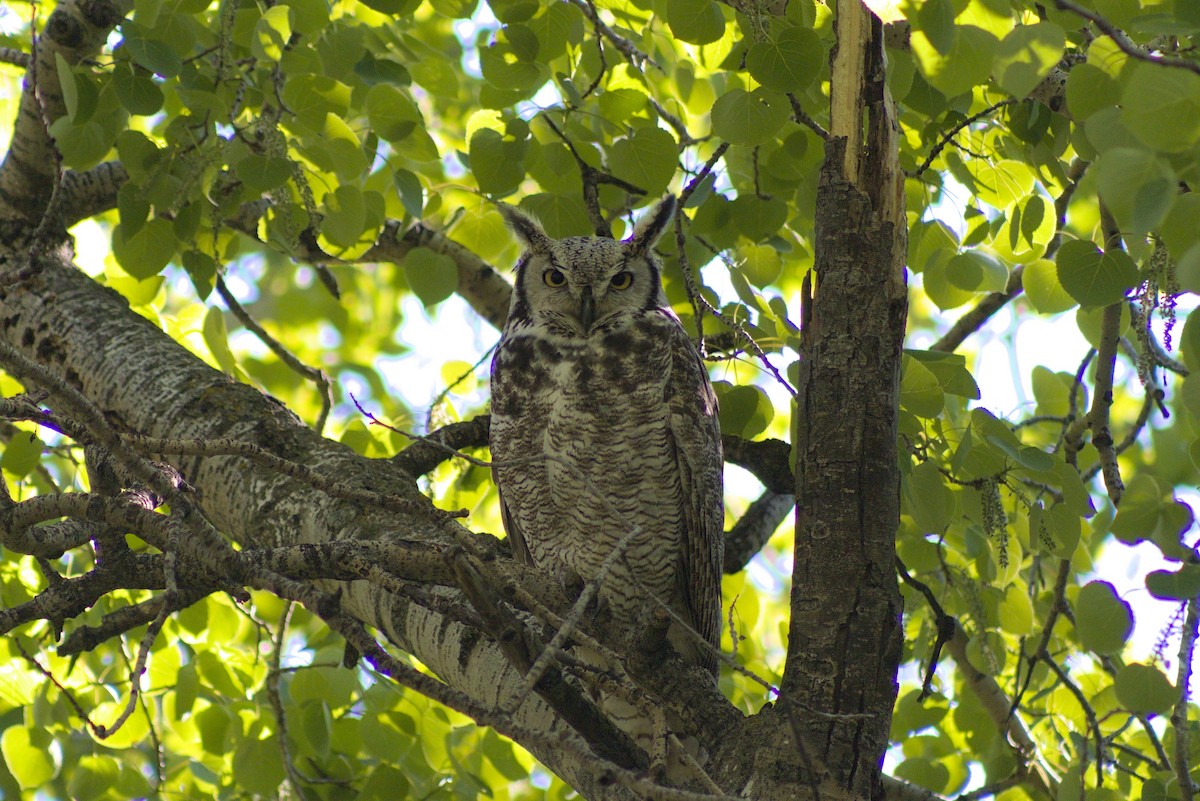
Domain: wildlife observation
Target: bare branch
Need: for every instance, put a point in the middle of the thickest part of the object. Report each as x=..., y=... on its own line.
x=949, y=135
x=1179, y=715
x=318, y=377
x=756, y=525
x=1122, y=40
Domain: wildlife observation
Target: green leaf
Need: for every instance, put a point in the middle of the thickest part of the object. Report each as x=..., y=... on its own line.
x=1065, y=527
x=1001, y=184
x=263, y=173
x=788, y=62
x=1040, y=279
x=498, y=163
x=758, y=218
x=504, y=69
x=1102, y=619
x=216, y=337
x=1143, y=689
x=647, y=159
x=31, y=765
x=1090, y=89
x=1138, y=187
x=148, y=251
x=136, y=91
x=412, y=193
x=560, y=215
x=258, y=766
x=749, y=118
x=82, y=146
x=92, y=777
x=391, y=113
x=695, y=21
x=1026, y=56
x=760, y=264
x=271, y=33
x=159, y=58
x=950, y=370
x=309, y=17
x=509, y=11
x=1178, y=585
x=1094, y=278
x=22, y=453
x=1162, y=107
x=967, y=64
x=936, y=281
x=345, y=216
x=1140, y=510
x=1016, y=611
x=976, y=271
x=920, y=391
x=1179, y=231
x=928, y=500
x=1052, y=391
x=433, y=277
x=559, y=26
x=68, y=85
x=745, y=411
x=312, y=97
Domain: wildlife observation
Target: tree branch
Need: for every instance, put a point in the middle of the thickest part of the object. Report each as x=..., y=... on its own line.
x=1122, y=40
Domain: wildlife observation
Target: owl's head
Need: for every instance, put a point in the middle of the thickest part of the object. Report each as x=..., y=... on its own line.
x=577, y=284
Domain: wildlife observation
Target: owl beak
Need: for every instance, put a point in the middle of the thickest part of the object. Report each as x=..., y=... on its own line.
x=587, y=309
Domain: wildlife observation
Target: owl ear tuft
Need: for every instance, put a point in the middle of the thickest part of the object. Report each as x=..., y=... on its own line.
x=527, y=229
x=652, y=226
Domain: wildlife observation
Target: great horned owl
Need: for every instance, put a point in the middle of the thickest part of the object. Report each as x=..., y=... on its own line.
x=595, y=373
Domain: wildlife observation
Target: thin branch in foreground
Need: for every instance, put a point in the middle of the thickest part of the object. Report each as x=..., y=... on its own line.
x=1106, y=359
x=1122, y=40
x=318, y=377
x=946, y=626
x=1179, y=715
x=18, y=58
x=949, y=135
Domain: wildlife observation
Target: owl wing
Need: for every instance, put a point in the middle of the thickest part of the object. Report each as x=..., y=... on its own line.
x=520, y=550
x=697, y=436
x=507, y=435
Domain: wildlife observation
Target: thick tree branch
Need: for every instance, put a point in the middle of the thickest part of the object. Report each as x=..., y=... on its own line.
x=29, y=174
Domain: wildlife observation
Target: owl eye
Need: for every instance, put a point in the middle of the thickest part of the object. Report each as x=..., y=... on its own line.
x=622, y=280
x=554, y=278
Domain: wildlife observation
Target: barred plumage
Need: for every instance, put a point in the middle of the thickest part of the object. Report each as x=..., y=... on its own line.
x=595, y=374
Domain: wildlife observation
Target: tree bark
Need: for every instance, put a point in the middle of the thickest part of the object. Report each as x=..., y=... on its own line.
x=845, y=636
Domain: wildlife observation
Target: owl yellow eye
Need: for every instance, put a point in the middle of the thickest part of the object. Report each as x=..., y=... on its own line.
x=622, y=280
x=554, y=278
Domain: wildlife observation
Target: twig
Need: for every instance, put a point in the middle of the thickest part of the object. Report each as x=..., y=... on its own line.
x=801, y=116
x=945, y=140
x=1179, y=715
x=946, y=626
x=18, y=58
x=318, y=377
x=1122, y=40
x=1106, y=359
x=627, y=48
x=1089, y=713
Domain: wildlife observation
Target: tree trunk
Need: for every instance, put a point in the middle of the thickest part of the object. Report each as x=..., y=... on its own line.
x=845, y=635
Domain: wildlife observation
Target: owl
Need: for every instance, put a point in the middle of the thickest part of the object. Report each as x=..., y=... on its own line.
x=604, y=432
